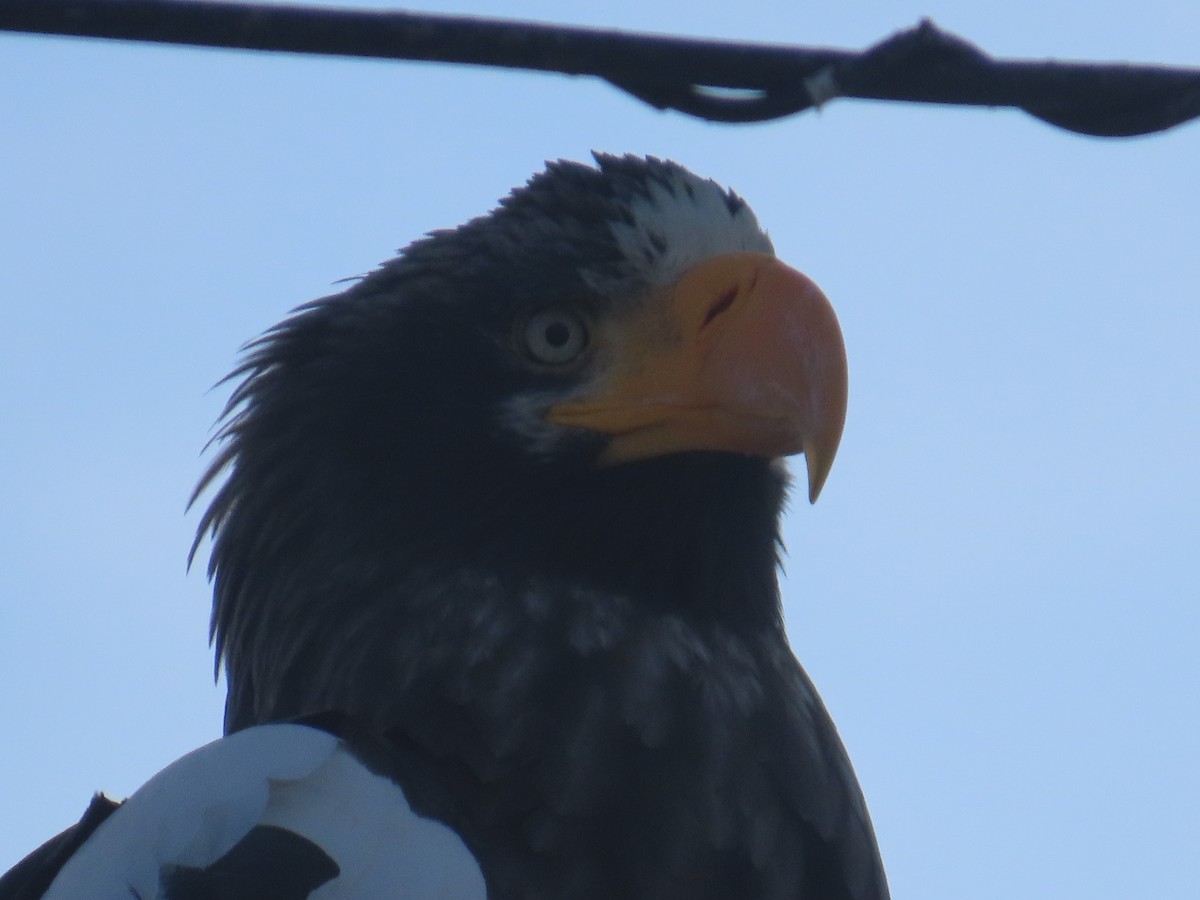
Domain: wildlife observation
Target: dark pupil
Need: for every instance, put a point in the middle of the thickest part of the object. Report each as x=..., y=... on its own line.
x=557, y=334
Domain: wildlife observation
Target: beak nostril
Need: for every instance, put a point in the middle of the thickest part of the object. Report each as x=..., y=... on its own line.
x=723, y=303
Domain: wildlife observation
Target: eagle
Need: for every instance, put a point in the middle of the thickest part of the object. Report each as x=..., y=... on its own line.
x=494, y=541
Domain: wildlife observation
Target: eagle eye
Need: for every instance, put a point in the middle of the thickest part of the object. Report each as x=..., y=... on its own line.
x=554, y=337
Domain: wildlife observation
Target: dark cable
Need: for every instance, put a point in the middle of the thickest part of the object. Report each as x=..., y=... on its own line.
x=713, y=80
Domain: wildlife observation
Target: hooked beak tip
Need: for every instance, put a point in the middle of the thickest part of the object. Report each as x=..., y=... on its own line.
x=819, y=453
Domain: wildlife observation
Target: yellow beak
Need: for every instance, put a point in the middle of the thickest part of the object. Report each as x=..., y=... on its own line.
x=742, y=355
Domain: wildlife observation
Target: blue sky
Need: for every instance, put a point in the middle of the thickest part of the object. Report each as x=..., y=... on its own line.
x=997, y=592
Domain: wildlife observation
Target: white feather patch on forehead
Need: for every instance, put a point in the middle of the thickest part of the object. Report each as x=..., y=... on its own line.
x=683, y=223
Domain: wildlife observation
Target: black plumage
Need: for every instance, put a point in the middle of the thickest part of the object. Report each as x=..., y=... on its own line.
x=577, y=662
x=269, y=863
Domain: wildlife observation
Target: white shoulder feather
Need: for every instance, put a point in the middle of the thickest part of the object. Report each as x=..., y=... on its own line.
x=297, y=778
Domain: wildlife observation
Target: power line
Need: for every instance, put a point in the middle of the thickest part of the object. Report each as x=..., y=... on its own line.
x=718, y=81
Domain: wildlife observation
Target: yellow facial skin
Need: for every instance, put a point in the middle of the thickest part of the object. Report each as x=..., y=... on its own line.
x=742, y=354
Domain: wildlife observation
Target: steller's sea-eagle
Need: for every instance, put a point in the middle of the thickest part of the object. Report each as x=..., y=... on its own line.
x=494, y=540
